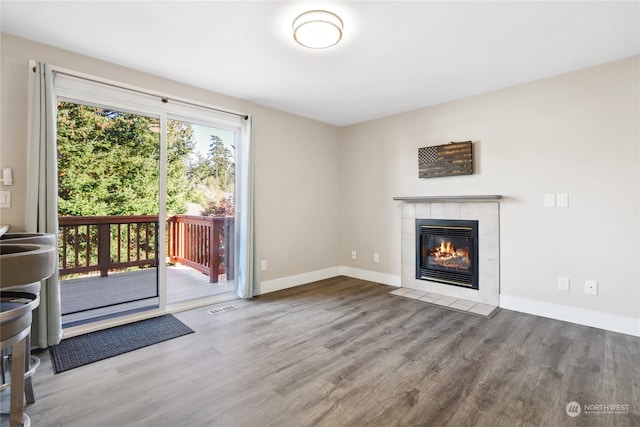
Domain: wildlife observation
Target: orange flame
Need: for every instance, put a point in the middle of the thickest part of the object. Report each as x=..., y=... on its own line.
x=446, y=248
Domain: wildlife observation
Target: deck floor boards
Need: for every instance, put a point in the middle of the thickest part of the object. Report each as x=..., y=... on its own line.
x=94, y=296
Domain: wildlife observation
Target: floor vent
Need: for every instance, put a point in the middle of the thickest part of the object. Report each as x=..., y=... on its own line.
x=222, y=309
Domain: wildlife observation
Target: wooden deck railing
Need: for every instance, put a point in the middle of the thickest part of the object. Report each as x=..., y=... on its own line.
x=203, y=243
x=107, y=243
x=103, y=243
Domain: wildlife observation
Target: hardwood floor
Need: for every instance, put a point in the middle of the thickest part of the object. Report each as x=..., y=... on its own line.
x=343, y=352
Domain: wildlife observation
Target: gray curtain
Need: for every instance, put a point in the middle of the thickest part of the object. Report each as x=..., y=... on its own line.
x=42, y=199
x=247, y=284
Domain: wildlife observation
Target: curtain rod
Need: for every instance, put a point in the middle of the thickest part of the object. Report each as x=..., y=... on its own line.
x=164, y=99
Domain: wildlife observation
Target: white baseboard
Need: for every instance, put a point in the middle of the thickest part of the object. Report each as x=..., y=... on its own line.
x=298, y=279
x=581, y=316
x=371, y=276
x=313, y=276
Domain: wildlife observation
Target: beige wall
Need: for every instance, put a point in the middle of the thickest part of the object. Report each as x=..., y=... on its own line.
x=323, y=191
x=296, y=173
x=576, y=133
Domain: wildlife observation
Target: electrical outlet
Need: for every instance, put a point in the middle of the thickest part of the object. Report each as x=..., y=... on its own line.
x=263, y=265
x=549, y=200
x=376, y=257
x=353, y=255
x=591, y=287
x=563, y=283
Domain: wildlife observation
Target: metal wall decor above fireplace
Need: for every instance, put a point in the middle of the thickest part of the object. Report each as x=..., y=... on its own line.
x=447, y=251
x=455, y=158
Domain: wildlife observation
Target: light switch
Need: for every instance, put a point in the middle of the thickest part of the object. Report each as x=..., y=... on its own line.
x=562, y=200
x=549, y=200
x=5, y=199
x=563, y=283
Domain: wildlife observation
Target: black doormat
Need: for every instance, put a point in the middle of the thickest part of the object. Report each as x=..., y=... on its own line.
x=94, y=346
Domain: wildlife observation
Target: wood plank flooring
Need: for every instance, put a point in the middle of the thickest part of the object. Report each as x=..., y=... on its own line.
x=343, y=352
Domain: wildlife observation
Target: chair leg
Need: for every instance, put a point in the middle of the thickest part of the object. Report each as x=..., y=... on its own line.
x=4, y=356
x=29, y=393
x=17, y=383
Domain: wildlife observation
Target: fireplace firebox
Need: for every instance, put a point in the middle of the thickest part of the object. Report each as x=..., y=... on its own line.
x=447, y=251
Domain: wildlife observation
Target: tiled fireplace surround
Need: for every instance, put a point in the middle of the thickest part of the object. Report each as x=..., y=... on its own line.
x=487, y=213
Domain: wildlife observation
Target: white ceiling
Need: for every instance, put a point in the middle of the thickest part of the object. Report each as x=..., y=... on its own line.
x=394, y=57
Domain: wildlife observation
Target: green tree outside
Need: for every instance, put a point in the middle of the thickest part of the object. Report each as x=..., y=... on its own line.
x=108, y=163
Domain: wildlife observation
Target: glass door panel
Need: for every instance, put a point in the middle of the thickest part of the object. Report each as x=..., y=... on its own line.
x=108, y=206
x=200, y=211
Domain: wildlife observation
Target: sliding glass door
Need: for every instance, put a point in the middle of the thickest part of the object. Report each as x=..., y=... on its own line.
x=146, y=210
x=147, y=200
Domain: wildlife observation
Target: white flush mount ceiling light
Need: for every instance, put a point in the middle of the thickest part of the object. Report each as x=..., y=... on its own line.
x=317, y=29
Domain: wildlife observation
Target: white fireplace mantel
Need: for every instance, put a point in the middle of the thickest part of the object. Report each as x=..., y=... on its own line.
x=450, y=199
